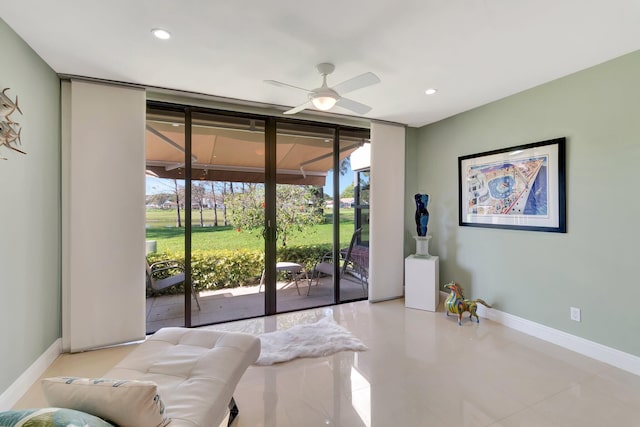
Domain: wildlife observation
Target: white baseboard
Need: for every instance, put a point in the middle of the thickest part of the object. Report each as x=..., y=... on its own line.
x=20, y=386
x=385, y=299
x=602, y=353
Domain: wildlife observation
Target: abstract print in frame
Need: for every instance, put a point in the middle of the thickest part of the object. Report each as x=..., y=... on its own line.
x=519, y=188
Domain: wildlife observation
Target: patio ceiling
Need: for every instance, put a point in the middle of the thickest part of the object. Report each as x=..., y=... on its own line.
x=235, y=152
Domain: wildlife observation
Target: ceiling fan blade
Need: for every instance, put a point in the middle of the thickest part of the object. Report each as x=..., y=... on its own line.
x=276, y=83
x=358, y=82
x=298, y=108
x=354, y=106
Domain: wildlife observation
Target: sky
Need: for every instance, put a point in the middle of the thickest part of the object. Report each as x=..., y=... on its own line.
x=345, y=181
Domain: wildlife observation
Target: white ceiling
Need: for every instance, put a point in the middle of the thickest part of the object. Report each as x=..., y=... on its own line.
x=472, y=51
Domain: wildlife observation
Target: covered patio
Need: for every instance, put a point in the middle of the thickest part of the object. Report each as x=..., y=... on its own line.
x=232, y=149
x=244, y=302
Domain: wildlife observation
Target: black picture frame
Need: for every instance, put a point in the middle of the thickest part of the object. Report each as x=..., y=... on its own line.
x=517, y=188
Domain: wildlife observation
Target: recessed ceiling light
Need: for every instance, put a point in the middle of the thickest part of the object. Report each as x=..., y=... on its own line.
x=161, y=33
x=430, y=91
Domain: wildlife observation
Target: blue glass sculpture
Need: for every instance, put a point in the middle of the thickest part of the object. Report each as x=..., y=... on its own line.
x=422, y=214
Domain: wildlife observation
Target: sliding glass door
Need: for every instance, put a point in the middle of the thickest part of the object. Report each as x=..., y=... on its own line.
x=353, y=253
x=319, y=234
x=304, y=156
x=165, y=218
x=241, y=211
x=228, y=216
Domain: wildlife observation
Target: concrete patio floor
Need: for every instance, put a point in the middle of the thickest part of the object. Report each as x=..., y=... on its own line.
x=244, y=302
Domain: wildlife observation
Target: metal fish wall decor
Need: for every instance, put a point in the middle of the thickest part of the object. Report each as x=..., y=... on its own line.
x=9, y=129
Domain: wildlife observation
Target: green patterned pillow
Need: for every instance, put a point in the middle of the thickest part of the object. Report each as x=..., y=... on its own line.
x=50, y=417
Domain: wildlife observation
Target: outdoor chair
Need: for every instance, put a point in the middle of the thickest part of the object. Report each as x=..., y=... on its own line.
x=174, y=276
x=351, y=268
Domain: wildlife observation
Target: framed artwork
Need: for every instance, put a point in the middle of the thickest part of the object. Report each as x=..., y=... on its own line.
x=519, y=188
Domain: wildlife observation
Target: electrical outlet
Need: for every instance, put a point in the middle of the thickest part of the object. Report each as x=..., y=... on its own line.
x=575, y=314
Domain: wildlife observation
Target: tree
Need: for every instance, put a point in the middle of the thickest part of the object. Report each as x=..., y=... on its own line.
x=297, y=208
x=158, y=199
x=224, y=203
x=197, y=198
x=347, y=193
x=344, y=165
x=177, y=191
x=215, y=204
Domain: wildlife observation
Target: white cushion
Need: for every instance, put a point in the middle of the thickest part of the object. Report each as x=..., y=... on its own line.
x=123, y=402
x=196, y=370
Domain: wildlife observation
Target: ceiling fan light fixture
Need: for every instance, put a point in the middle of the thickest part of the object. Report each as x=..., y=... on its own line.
x=323, y=103
x=323, y=98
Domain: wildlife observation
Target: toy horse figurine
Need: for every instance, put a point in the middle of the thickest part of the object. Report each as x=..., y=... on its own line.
x=456, y=304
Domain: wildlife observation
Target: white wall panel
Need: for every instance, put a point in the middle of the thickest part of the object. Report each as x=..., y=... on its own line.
x=386, y=243
x=103, y=215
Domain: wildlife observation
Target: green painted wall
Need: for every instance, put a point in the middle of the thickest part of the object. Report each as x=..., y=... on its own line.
x=538, y=276
x=29, y=212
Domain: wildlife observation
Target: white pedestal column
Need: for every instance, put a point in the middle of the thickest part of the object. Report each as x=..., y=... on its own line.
x=421, y=282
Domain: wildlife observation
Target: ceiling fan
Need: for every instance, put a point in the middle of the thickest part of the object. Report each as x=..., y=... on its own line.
x=324, y=97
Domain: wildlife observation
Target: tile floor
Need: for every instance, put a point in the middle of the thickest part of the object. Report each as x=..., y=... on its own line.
x=421, y=369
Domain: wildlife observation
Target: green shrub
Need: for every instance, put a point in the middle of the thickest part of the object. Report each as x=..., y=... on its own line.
x=218, y=269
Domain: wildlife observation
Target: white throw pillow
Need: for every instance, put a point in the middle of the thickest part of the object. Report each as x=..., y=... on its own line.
x=126, y=403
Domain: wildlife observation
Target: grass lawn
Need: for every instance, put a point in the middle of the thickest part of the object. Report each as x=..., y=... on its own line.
x=161, y=226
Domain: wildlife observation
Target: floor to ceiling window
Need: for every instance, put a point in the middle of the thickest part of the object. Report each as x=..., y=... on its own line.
x=241, y=210
x=361, y=197
x=165, y=218
x=227, y=182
